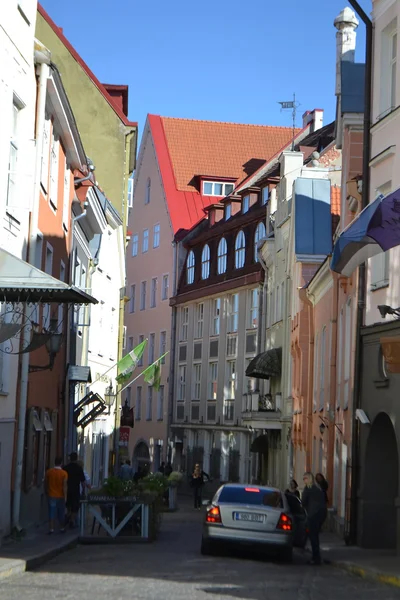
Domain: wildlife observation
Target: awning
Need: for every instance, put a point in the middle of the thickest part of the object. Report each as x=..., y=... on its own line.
x=376, y=229
x=260, y=444
x=266, y=365
x=22, y=282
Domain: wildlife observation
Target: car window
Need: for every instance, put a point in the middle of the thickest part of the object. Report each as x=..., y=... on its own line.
x=251, y=495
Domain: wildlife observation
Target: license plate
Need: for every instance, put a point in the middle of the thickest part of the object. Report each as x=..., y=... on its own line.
x=251, y=517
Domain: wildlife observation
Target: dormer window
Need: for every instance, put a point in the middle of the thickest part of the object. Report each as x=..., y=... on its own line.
x=265, y=195
x=245, y=204
x=217, y=188
x=228, y=211
x=190, y=267
x=205, y=262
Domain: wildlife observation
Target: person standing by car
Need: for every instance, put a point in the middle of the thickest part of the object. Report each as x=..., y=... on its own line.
x=313, y=500
x=197, y=484
x=76, y=477
x=56, y=490
x=293, y=488
x=323, y=484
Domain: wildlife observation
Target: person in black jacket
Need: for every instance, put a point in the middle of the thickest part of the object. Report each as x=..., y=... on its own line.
x=313, y=500
x=293, y=488
x=197, y=483
x=323, y=484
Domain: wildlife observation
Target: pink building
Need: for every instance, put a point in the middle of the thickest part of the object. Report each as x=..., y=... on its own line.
x=183, y=167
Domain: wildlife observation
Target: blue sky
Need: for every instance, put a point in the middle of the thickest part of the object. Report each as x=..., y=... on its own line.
x=223, y=60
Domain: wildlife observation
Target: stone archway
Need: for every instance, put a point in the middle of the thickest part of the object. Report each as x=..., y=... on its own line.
x=379, y=516
x=141, y=456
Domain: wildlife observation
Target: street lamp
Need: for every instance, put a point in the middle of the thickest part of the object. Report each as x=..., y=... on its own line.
x=388, y=310
x=53, y=345
x=109, y=397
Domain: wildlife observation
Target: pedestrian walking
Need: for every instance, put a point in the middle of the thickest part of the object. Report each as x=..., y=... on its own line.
x=168, y=470
x=56, y=490
x=161, y=468
x=313, y=500
x=126, y=471
x=197, y=483
x=76, y=477
x=293, y=489
x=323, y=484
x=88, y=483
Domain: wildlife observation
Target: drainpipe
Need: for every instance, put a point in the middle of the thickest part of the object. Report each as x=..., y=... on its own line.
x=171, y=386
x=42, y=59
x=361, y=287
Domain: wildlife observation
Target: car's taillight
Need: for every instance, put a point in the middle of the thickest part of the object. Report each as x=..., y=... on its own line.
x=284, y=523
x=213, y=515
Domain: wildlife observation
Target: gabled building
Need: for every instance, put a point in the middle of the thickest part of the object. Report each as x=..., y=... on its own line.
x=184, y=167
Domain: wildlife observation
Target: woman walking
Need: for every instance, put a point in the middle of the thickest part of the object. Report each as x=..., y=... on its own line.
x=313, y=500
x=197, y=484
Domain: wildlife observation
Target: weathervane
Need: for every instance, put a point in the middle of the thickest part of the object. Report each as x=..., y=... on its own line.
x=294, y=106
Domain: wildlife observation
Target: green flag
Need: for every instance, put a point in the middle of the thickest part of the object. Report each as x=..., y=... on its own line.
x=152, y=375
x=129, y=362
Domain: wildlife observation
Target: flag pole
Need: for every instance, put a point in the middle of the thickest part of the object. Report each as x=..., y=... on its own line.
x=142, y=373
x=108, y=370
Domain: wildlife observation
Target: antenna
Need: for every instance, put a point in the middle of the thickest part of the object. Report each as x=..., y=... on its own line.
x=294, y=106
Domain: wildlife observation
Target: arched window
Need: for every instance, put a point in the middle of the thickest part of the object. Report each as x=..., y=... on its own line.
x=240, y=250
x=222, y=256
x=259, y=235
x=205, y=262
x=190, y=267
x=148, y=191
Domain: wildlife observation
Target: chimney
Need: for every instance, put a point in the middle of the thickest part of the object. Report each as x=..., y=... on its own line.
x=346, y=24
x=314, y=118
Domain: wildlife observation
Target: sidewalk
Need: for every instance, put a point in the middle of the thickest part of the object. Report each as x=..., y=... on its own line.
x=33, y=550
x=377, y=565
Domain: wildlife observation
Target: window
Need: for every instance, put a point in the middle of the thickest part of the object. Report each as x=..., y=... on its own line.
x=229, y=410
x=265, y=195
x=205, y=262
x=48, y=268
x=129, y=395
x=140, y=361
x=212, y=381
x=231, y=345
x=240, y=250
x=145, y=241
x=135, y=244
x=156, y=235
x=138, y=407
x=278, y=303
x=143, y=287
x=182, y=383
x=152, y=343
x=130, y=343
x=148, y=191
x=393, y=67
x=199, y=320
x=259, y=235
x=13, y=158
x=149, y=404
x=190, y=267
x=347, y=354
x=233, y=313
x=66, y=196
x=253, y=309
x=163, y=345
x=322, y=369
x=44, y=169
x=153, y=296
x=316, y=358
x=132, y=299
x=222, y=256
x=245, y=204
x=130, y=192
x=379, y=264
x=228, y=211
x=230, y=389
x=54, y=153
x=165, y=287
x=60, y=306
x=216, y=316
x=196, y=381
x=160, y=404
x=215, y=188
x=184, y=323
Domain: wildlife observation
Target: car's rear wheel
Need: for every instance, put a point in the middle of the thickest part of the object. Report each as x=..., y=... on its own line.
x=286, y=555
x=206, y=548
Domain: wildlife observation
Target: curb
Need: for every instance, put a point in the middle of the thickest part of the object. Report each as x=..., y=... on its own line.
x=15, y=566
x=365, y=573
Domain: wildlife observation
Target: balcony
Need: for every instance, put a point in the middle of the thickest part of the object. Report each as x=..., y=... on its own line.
x=260, y=410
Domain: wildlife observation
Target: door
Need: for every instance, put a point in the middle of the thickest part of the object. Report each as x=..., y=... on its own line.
x=299, y=520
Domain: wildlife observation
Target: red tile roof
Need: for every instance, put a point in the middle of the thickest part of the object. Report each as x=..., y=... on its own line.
x=58, y=31
x=188, y=148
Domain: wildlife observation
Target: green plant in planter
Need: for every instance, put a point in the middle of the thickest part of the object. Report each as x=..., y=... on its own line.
x=154, y=484
x=116, y=488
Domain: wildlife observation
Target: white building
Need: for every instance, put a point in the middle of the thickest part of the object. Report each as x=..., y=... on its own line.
x=17, y=109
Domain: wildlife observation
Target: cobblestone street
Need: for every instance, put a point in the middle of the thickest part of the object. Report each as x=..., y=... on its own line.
x=172, y=568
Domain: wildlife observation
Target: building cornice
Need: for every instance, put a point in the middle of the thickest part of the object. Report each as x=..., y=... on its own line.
x=320, y=283
x=379, y=8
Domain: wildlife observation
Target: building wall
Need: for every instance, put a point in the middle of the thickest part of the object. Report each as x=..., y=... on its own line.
x=101, y=129
x=155, y=263
x=17, y=83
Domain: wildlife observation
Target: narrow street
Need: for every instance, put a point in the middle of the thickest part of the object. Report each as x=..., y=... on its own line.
x=172, y=568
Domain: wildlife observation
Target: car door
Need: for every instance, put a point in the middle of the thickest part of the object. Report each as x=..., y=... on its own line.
x=299, y=515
